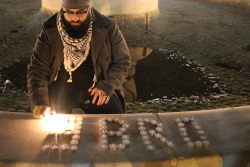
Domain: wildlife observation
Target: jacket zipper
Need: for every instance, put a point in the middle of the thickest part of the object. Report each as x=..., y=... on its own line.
x=55, y=78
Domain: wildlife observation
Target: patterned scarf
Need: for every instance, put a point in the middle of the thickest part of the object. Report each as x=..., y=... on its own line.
x=75, y=50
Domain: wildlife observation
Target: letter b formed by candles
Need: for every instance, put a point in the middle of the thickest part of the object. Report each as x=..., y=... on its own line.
x=105, y=133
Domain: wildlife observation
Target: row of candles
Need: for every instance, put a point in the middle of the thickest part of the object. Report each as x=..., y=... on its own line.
x=147, y=135
x=157, y=133
x=73, y=132
x=182, y=125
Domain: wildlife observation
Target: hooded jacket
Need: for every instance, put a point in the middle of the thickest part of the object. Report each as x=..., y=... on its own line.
x=109, y=51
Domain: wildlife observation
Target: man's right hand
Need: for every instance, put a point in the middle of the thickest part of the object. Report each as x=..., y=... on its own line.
x=41, y=111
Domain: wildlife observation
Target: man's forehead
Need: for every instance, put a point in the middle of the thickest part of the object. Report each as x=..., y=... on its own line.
x=75, y=10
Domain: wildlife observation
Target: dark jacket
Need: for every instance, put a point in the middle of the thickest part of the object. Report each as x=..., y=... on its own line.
x=109, y=52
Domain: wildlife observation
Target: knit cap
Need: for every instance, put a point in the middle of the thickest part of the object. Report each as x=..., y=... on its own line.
x=76, y=4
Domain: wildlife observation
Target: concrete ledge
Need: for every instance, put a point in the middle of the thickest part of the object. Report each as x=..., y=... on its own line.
x=227, y=130
x=209, y=161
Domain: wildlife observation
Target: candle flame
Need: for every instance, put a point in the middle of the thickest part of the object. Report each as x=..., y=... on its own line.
x=57, y=123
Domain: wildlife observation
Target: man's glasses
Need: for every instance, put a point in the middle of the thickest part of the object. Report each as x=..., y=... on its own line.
x=78, y=14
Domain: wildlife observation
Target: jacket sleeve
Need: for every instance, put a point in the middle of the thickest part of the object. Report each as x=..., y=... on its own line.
x=120, y=62
x=38, y=70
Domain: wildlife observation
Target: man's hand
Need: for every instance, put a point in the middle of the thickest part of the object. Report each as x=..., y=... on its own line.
x=41, y=111
x=100, y=94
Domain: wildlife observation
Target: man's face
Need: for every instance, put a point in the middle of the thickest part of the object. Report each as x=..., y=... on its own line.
x=75, y=17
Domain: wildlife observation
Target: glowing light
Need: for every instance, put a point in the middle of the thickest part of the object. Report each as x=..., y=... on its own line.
x=57, y=123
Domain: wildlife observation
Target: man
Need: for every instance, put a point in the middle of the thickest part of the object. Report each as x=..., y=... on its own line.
x=80, y=59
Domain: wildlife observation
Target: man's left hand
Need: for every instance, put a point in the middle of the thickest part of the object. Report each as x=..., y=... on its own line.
x=100, y=94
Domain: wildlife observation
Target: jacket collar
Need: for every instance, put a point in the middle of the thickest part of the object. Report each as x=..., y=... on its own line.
x=98, y=20
x=99, y=33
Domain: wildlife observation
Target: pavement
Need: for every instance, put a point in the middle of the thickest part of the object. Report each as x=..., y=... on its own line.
x=214, y=34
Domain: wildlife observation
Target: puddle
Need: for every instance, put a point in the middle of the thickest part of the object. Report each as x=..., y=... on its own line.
x=168, y=74
x=16, y=73
x=13, y=87
x=154, y=74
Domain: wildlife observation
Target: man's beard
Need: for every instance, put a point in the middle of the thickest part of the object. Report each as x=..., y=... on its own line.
x=76, y=31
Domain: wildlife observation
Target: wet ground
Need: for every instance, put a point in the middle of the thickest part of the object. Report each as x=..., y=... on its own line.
x=200, y=56
x=173, y=76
